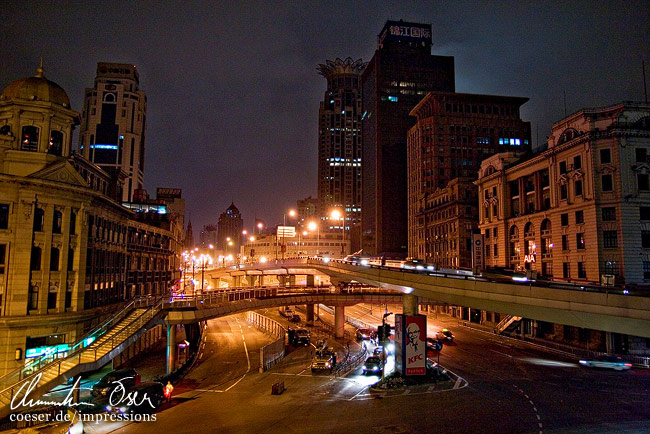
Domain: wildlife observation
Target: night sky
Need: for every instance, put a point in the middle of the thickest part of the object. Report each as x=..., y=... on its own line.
x=233, y=91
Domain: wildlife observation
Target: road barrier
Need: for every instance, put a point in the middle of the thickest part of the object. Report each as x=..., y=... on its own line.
x=274, y=352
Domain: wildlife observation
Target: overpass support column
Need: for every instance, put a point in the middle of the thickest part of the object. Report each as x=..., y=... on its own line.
x=609, y=342
x=292, y=280
x=310, y=313
x=236, y=281
x=311, y=280
x=282, y=280
x=410, y=304
x=339, y=322
x=171, y=348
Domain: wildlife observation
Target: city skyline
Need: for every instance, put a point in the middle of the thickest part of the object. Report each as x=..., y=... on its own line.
x=236, y=117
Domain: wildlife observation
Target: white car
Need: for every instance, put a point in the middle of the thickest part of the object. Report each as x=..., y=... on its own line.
x=610, y=362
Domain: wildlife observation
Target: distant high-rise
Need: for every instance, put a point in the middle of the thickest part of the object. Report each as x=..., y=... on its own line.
x=339, y=140
x=401, y=72
x=230, y=228
x=113, y=124
x=189, y=236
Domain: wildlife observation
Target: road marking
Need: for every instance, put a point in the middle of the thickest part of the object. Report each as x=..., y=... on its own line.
x=360, y=392
x=248, y=359
x=200, y=356
x=499, y=352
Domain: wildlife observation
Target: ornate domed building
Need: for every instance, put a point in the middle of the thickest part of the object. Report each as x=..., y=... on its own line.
x=70, y=253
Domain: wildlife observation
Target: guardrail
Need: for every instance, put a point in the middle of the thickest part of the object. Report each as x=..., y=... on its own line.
x=350, y=363
x=275, y=350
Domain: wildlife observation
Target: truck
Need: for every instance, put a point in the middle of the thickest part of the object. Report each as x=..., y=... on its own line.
x=324, y=360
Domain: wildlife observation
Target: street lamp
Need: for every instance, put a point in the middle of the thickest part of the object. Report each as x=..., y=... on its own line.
x=291, y=213
x=260, y=225
x=340, y=215
x=205, y=259
x=311, y=226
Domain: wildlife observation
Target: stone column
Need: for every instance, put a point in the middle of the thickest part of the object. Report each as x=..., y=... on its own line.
x=310, y=313
x=236, y=281
x=311, y=280
x=171, y=348
x=410, y=304
x=339, y=322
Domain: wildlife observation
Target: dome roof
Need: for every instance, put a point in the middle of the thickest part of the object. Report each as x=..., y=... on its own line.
x=37, y=88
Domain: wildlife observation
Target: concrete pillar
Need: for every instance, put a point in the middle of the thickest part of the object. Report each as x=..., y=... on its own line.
x=292, y=280
x=339, y=322
x=311, y=280
x=236, y=281
x=609, y=342
x=310, y=313
x=410, y=304
x=282, y=280
x=171, y=348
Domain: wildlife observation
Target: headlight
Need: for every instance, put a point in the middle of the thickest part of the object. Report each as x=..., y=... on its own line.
x=123, y=409
x=375, y=368
x=364, y=367
x=109, y=408
x=327, y=365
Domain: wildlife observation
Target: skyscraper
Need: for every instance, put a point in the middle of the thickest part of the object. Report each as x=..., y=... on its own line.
x=339, y=140
x=113, y=124
x=401, y=72
x=229, y=229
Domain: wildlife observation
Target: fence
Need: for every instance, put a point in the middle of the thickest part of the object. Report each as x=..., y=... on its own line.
x=274, y=352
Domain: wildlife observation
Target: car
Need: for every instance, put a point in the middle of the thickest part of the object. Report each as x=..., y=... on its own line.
x=607, y=361
x=372, y=366
x=365, y=333
x=143, y=398
x=127, y=377
x=301, y=337
x=379, y=352
x=445, y=335
x=294, y=318
x=434, y=344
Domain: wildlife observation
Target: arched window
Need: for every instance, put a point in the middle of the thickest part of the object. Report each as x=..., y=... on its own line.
x=528, y=230
x=55, y=145
x=29, y=139
x=514, y=243
x=546, y=237
x=546, y=227
x=567, y=135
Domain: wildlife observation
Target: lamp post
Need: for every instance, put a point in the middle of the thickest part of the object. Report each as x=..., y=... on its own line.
x=336, y=215
x=311, y=226
x=260, y=225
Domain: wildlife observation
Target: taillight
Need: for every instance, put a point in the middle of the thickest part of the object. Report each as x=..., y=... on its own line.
x=628, y=364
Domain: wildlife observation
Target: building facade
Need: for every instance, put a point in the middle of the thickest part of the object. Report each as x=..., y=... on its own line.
x=66, y=256
x=113, y=124
x=340, y=141
x=580, y=210
x=401, y=72
x=454, y=132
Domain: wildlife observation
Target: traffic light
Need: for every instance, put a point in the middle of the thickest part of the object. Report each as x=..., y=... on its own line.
x=383, y=332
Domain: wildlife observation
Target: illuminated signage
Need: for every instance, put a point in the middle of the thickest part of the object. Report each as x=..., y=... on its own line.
x=286, y=231
x=44, y=351
x=477, y=251
x=408, y=32
x=114, y=147
x=529, y=259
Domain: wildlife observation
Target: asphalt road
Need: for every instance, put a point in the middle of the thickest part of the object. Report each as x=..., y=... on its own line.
x=511, y=388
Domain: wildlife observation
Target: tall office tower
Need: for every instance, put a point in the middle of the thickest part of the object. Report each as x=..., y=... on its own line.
x=339, y=142
x=189, y=237
x=454, y=132
x=230, y=228
x=113, y=124
x=401, y=72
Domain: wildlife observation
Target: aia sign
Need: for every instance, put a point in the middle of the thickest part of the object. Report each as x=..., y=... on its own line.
x=529, y=259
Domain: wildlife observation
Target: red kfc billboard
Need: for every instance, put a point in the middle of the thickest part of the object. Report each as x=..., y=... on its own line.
x=415, y=345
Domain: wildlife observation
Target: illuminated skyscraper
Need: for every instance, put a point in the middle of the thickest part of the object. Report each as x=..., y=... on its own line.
x=339, y=142
x=113, y=124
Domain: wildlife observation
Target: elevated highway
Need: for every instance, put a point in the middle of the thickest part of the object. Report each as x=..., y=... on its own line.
x=599, y=308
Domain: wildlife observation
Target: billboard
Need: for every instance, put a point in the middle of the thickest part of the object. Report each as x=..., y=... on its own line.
x=399, y=338
x=477, y=252
x=415, y=345
x=411, y=344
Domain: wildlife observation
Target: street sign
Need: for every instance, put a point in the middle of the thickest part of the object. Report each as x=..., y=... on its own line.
x=286, y=231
